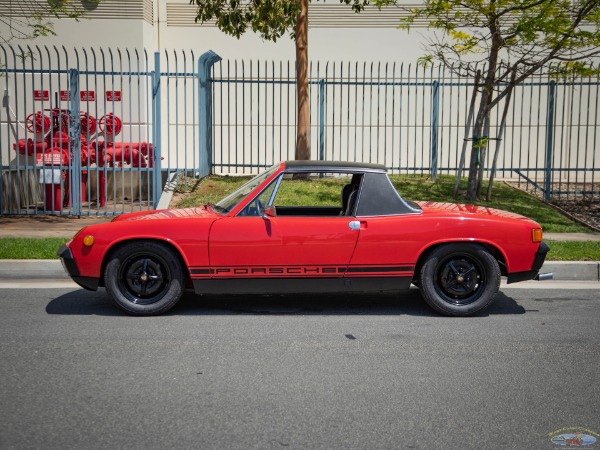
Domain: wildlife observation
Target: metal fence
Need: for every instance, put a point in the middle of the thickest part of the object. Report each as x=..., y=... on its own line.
x=76, y=132
x=100, y=132
x=410, y=118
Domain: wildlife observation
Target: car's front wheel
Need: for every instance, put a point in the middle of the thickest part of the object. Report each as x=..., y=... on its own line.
x=144, y=278
x=460, y=279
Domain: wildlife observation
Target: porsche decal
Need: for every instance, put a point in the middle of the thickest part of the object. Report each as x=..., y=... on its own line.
x=297, y=271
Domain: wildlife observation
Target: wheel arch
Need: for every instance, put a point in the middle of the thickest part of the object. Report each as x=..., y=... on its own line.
x=491, y=248
x=117, y=245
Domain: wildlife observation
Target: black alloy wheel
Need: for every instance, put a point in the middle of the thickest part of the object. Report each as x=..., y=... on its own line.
x=144, y=278
x=459, y=279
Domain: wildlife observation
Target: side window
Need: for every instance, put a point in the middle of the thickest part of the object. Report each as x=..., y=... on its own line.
x=257, y=206
x=266, y=197
x=307, y=194
x=315, y=194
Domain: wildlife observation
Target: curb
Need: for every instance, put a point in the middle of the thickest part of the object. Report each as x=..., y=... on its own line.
x=573, y=270
x=32, y=269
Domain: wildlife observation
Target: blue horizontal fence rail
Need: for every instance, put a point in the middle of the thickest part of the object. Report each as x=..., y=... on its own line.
x=185, y=115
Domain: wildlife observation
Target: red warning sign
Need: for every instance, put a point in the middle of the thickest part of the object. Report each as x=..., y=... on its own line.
x=113, y=96
x=65, y=96
x=50, y=159
x=39, y=95
x=87, y=96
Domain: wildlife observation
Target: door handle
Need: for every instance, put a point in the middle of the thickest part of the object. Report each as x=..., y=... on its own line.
x=354, y=225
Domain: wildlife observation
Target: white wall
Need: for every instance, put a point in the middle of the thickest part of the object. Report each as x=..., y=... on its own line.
x=323, y=44
x=115, y=24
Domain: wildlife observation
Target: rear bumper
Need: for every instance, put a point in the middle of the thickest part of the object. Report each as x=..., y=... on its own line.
x=70, y=266
x=538, y=262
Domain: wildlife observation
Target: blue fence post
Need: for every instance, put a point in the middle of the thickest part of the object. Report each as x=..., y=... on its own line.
x=156, y=132
x=75, y=139
x=205, y=106
x=435, y=106
x=549, y=141
x=322, y=120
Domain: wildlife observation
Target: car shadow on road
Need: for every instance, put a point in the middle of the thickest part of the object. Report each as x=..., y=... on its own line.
x=81, y=302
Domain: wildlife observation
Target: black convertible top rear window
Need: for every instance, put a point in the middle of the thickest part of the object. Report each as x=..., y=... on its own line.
x=378, y=197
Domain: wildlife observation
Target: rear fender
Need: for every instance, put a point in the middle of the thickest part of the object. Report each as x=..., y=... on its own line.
x=494, y=251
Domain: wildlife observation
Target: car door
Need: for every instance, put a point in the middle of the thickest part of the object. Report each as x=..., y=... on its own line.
x=288, y=247
x=304, y=241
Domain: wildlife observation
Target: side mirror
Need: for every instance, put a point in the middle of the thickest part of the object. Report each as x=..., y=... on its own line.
x=270, y=212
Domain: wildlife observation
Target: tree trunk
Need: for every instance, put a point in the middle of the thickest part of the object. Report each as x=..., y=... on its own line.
x=500, y=132
x=303, y=127
x=479, y=143
x=483, y=155
x=475, y=152
x=474, y=184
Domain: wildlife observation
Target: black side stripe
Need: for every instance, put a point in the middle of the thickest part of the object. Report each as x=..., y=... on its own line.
x=339, y=270
x=201, y=271
x=376, y=269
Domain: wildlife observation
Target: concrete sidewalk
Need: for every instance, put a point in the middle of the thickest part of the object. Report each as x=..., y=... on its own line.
x=46, y=226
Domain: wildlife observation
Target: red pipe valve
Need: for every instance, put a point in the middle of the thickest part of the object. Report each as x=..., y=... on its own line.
x=37, y=123
x=110, y=124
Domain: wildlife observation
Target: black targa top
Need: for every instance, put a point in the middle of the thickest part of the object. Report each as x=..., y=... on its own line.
x=376, y=195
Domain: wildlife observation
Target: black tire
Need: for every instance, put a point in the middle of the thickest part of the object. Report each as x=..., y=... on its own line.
x=460, y=279
x=144, y=278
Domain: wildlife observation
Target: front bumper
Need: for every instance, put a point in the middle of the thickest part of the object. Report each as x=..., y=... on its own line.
x=68, y=262
x=538, y=262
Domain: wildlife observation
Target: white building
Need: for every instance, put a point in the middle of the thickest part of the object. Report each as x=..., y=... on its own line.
x=335, y=31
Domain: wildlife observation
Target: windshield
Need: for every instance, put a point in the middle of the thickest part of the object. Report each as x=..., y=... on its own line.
x=233, y=199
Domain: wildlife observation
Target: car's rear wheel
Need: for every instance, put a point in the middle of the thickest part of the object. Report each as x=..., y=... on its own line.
x=144, y=278
x=460, y=279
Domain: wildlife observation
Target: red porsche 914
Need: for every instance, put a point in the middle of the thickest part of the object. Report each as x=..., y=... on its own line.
x=258, y=240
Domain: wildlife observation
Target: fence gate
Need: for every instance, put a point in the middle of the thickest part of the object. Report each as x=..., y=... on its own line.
x=76, y=133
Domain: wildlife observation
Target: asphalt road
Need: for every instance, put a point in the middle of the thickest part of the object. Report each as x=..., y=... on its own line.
x=292, y=372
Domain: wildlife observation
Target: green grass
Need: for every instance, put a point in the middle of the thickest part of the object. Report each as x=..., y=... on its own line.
x=313, y=192
x=412, y=187
x=25, y=248
x=573, y=251
x=208, y=190
x=503, y=197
